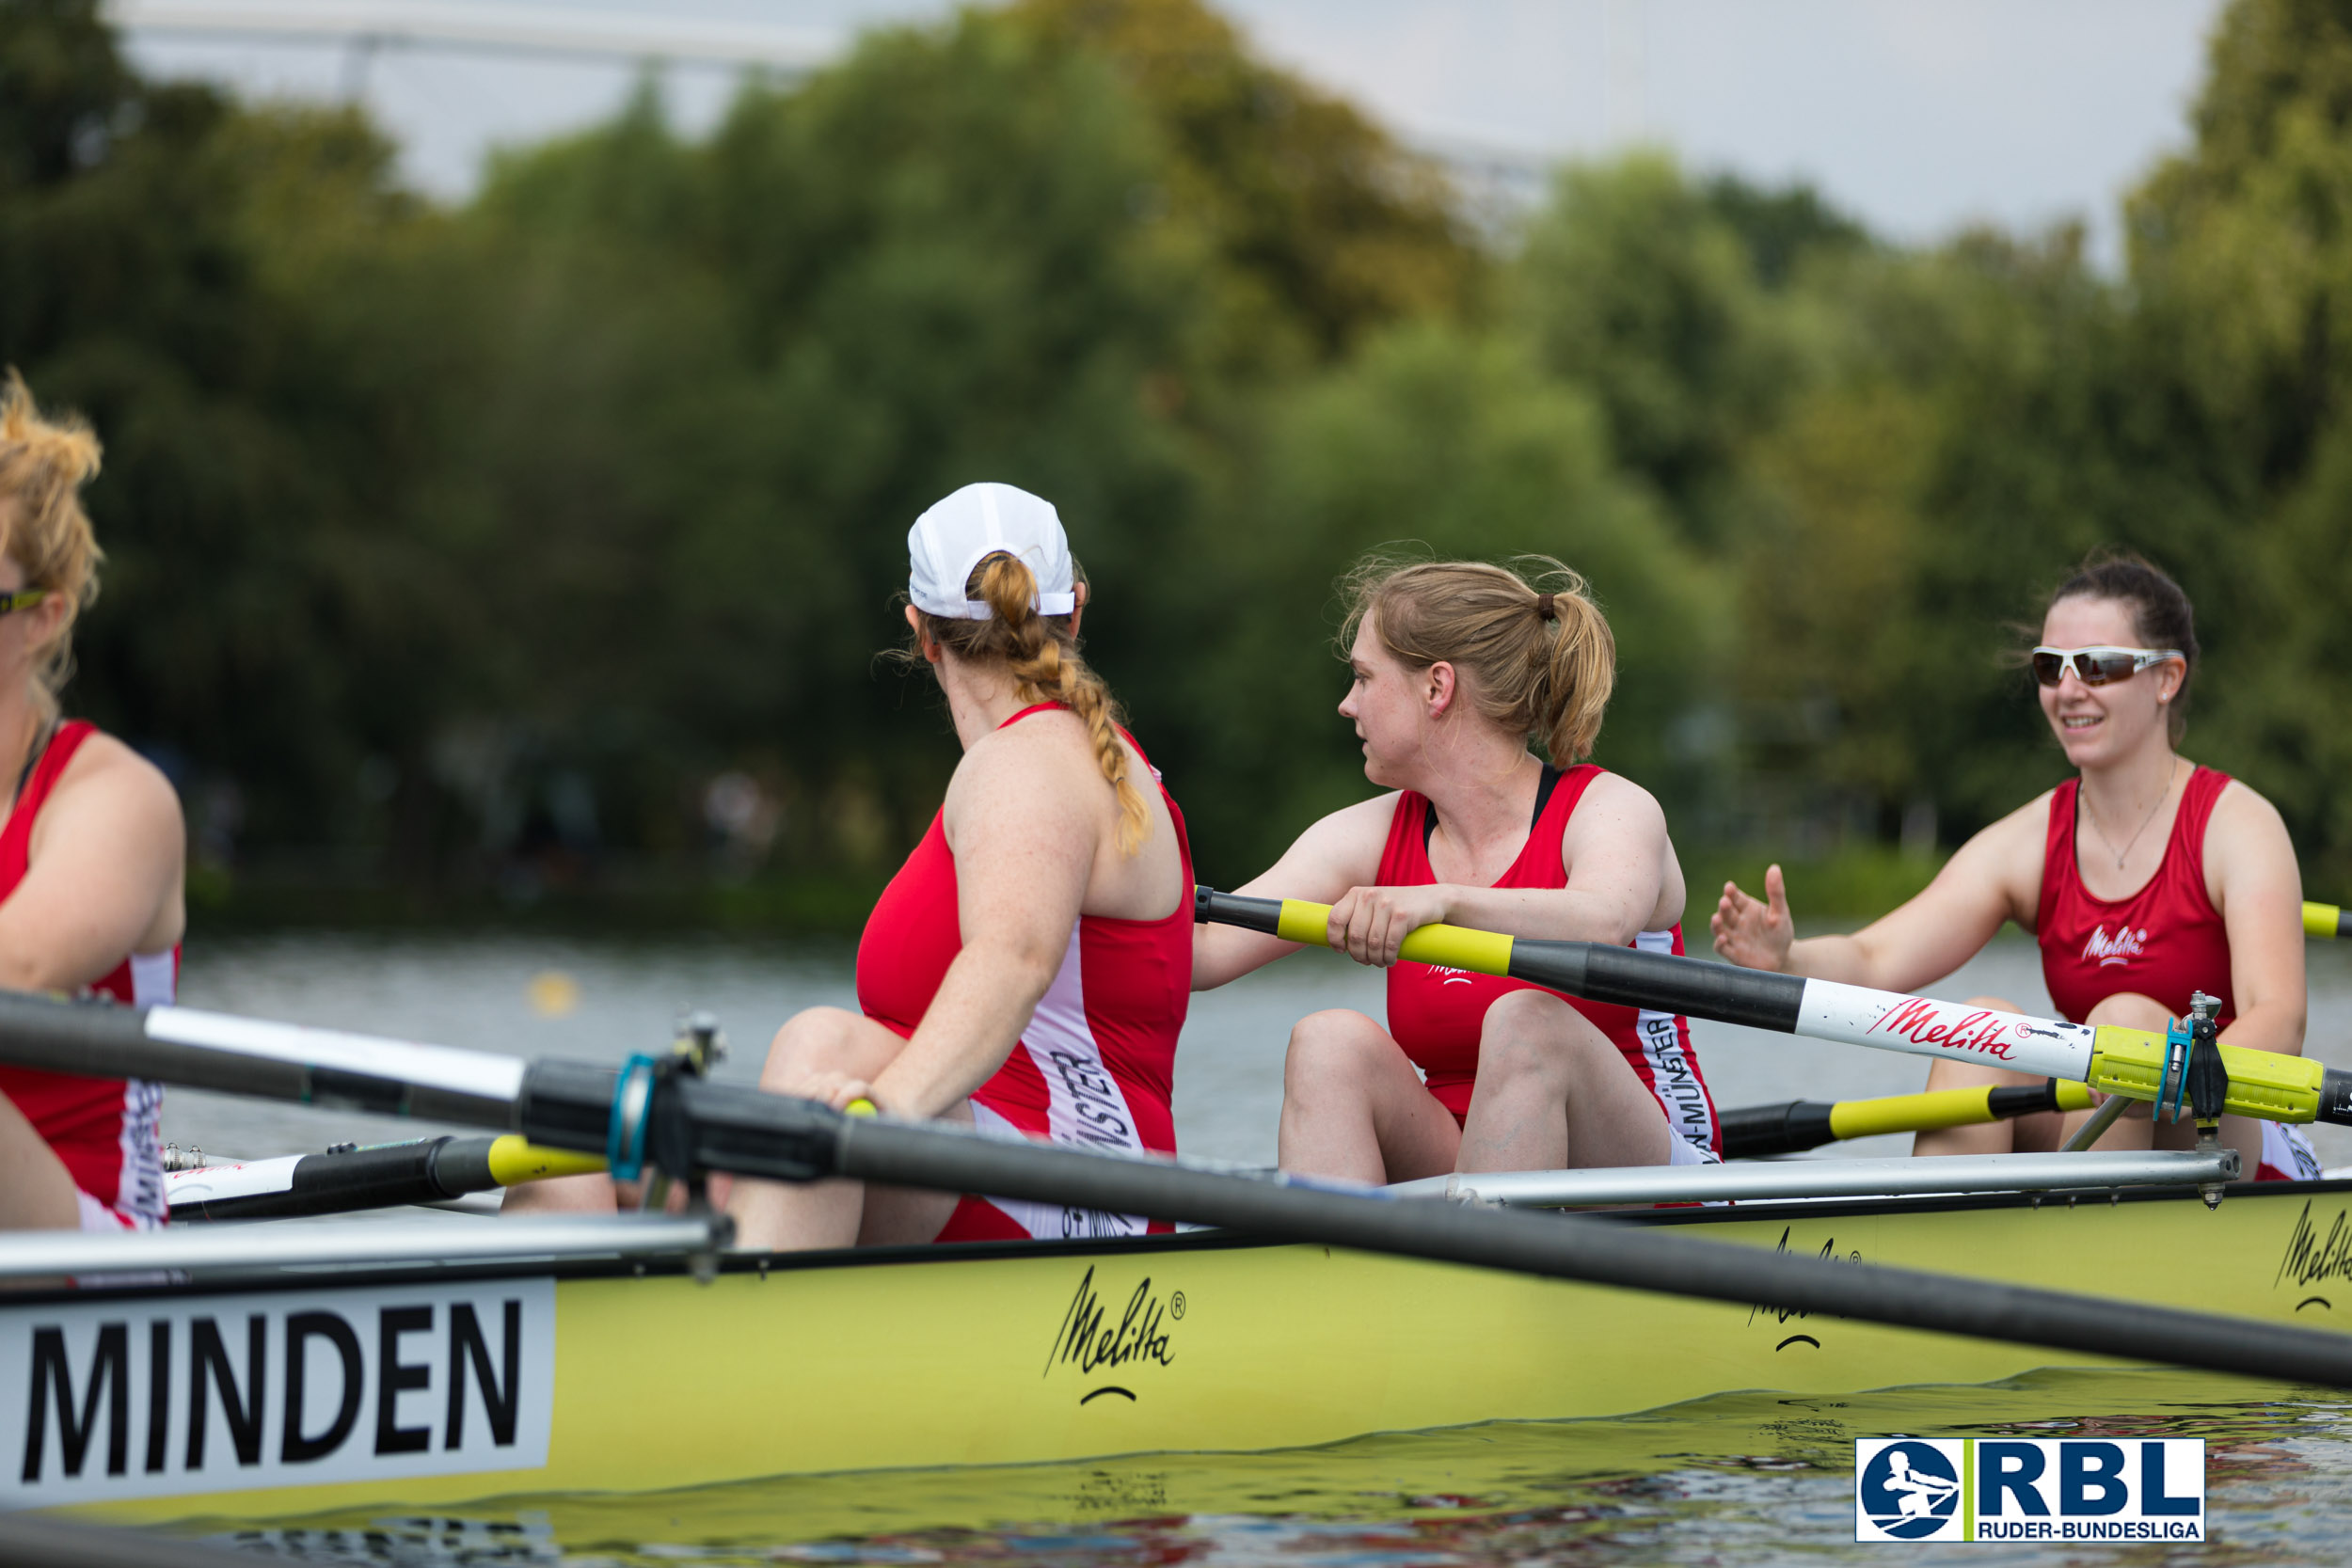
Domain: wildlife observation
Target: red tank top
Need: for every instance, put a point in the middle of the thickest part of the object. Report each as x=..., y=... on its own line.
x=1095, y=1068
x=2163, y=942
x=1437, y=1015
x=104, y=1129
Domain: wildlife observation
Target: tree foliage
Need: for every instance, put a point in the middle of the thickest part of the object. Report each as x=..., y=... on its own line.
x=450, y=538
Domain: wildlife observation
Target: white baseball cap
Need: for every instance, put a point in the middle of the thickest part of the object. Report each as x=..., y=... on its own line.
x=974, y=522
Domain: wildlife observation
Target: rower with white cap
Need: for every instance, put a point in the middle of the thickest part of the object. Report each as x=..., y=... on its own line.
x=1029, y=967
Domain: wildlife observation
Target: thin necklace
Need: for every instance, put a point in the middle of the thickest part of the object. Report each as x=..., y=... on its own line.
x=2172, y=773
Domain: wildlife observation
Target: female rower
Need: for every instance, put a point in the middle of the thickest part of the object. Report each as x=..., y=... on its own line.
x=1456, y=666
x=1029, y=966
x=2143, y=880
x=91, y=853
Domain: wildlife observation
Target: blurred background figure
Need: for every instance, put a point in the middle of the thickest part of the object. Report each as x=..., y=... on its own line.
x=91, y=852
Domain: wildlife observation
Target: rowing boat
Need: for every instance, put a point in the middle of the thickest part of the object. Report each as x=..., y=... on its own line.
x=265, y=1392
x=264, y=1371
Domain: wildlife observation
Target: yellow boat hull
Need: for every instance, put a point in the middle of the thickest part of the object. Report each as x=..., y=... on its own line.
x=1012, y=1356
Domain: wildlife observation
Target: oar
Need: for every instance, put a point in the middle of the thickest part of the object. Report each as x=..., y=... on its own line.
x=689, y=1126
x=380, y=1176
x=2323, y=920
x=2133, y=1064
x=1753, y=1132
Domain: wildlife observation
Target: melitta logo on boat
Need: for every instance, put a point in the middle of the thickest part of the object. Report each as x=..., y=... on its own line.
x=162, y=1395
x=2121, y=949
x=2068, y=1489
x=1107, y=1352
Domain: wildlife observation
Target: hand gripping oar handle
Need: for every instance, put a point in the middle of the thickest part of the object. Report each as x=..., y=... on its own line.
x=688, y=1126
x=2126, y=1062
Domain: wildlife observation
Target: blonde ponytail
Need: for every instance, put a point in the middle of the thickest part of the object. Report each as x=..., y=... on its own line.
x=43, y=465
x=1040, y=652
x=1541, y=664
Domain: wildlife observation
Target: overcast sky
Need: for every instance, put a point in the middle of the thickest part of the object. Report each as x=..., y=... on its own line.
x=1919, y=115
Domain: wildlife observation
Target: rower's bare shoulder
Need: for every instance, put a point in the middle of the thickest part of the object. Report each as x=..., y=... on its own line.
x=2241, y=809
x=1622, y=800
x=109, y=779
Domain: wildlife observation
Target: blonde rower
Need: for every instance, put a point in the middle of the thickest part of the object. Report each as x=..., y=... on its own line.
x=1454, y=667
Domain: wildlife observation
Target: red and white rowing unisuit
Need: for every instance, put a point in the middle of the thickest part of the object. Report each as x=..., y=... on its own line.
x=104, y=1129
x=2163, y=941
x=1437, y=1015
x=1094, y=1070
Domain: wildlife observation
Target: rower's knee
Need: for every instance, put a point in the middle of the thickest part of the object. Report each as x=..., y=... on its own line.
x=2129, y=1009
x=816, y=1039
x=1534, y=1035
x=1331, y=1047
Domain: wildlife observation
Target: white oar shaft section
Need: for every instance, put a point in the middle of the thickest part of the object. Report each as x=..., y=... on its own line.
x=278, y=1061
x=1951, y=1031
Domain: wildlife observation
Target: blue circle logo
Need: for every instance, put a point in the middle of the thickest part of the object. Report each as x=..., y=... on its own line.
x=1909, y=1490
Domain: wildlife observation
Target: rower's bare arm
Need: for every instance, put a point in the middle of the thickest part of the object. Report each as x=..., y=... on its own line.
x=2251, y=872
x=107, y=859
x=1341, y=851
x=1025, y=825
x=1993, y=877
x=1623, y=878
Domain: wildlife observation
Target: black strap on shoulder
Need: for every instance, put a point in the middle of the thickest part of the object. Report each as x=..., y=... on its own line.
x=1544, y=787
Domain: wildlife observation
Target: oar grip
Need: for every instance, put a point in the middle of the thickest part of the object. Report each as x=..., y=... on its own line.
x=1309, y=924
x=2323, y=920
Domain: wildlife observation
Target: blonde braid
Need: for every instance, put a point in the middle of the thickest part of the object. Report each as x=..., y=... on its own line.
x=1042, y=657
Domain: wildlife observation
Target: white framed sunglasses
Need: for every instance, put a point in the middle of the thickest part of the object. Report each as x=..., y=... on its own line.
x=2098, y=666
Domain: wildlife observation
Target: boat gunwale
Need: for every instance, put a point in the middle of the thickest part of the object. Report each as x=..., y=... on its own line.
x=333, y=1278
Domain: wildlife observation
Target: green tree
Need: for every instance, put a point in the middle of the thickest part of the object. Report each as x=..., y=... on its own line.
x=1434, y=440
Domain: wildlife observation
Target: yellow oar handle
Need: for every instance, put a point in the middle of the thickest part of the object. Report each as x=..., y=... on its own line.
x=1933, y=1110
x=515, y=1159
x=2266, y=1084
x=2323, y=920
x=1446, y=946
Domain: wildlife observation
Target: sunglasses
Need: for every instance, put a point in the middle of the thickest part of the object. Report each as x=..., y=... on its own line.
x=2096, y=666
x=24, y=599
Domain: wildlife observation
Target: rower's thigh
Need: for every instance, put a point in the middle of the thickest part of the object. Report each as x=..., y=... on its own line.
x=828, y=1039
x=904, y=1216
x=37, y=1193
x=1341, y=1065
x=1537, y=1042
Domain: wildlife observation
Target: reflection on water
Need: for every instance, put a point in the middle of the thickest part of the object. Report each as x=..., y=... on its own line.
x=1743, y=1478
